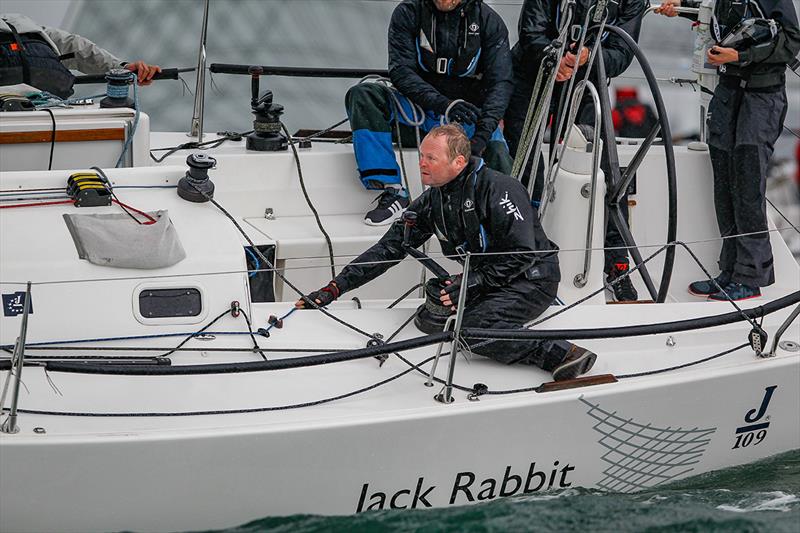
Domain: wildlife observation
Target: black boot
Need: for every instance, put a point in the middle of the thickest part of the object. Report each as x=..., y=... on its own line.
x=577, y=361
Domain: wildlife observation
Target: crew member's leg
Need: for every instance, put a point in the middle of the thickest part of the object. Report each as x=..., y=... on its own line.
x=371, y=110
x=511, y=307
x=759, y=120
x=721, y=139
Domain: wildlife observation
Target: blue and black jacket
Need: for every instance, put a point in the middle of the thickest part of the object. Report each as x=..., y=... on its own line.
x=436, y=57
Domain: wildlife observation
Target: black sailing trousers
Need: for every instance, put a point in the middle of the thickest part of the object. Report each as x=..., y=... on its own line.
x=510, y=307
x=743, y=125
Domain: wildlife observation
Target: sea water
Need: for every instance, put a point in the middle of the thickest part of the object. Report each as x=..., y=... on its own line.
x=760, y=497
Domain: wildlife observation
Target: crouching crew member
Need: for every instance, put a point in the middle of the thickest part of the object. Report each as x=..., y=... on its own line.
x=41, y=57
x=449, y=57
x=470, y=207
x=756, y=40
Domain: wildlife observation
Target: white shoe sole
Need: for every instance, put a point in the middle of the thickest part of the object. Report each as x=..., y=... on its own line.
x=387, y=221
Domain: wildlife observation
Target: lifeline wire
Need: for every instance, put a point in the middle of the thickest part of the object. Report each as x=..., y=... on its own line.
x=238, y=411
x=432, y=255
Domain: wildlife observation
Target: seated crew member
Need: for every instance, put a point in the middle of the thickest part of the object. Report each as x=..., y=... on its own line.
x=470, y=206
x=538, y=26
x=449, y=57
x=745, y=119
x=41, y=57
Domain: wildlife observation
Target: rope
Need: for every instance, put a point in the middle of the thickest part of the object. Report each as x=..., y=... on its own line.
x=308, y=200
x=234, y=411
x=52, y=138
x=129, y=140
x=191, y=145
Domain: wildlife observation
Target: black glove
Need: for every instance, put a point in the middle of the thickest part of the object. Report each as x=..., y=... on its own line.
x=474, y=286
x=464, y=113
x=322, y=297
x=477, y=145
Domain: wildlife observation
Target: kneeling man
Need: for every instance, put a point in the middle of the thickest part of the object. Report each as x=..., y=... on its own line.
x=471, y=208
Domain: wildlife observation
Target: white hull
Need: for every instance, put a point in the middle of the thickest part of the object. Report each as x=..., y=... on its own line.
x=224, y=470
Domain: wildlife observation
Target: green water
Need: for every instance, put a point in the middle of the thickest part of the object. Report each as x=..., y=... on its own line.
x=761, y=497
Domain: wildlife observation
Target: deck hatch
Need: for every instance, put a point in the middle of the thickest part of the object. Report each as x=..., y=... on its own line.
x=170, y=303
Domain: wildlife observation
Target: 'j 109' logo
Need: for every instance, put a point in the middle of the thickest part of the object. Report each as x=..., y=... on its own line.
x=757, y=423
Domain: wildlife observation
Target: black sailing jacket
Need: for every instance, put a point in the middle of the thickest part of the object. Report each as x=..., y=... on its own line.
x=507, y=221
x=761, y=64
x=489, y=87
x=538, y=27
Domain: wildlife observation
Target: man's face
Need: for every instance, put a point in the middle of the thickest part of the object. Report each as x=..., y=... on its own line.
x=446, y=5
x=435, y=166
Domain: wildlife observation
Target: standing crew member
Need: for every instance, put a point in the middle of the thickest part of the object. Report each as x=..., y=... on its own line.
x=470, y=207
x=745, y=119
x=41, y=57
x=539, y=23
x=451, y=59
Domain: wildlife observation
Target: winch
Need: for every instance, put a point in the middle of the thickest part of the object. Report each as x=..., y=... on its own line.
x=266, y=136
x=196, y=186
x=432, y=315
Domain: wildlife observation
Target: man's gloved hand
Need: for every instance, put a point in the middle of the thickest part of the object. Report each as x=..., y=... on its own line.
x=449, y=295
x=464, y=113
x=322, y=297
x=477, y=145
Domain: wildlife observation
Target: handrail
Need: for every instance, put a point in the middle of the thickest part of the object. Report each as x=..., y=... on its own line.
x=297, y=72
x=581, y=279
x=196, y=129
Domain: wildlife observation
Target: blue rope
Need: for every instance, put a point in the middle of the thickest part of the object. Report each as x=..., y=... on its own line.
x=257, y=264
x=129, y=140
x=139, y=337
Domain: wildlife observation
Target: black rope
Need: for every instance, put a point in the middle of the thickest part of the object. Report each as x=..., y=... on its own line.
x=308, y=200
x=783, y=216
x=52, y=137
x=114, y=195
x=322, y=132
x=193, y=335
x=405, y=295
x=685, y=365
x=191, y=145
x=256, y=347
x=234, y=411
x=283, y=278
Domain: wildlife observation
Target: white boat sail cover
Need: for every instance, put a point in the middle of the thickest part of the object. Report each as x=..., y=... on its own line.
x=115, y=240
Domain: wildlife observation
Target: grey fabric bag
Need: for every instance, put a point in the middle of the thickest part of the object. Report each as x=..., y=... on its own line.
x=117, y=241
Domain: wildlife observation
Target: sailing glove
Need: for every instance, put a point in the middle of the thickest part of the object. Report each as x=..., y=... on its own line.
x=464, y=113
x=474, y=285
x=322, y=297
x=477, y=145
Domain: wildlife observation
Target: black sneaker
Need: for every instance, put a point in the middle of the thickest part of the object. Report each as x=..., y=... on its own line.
x=707, y=287
x=577, y=361
x=735, y=292
x=390, y=207
x=621, y=286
